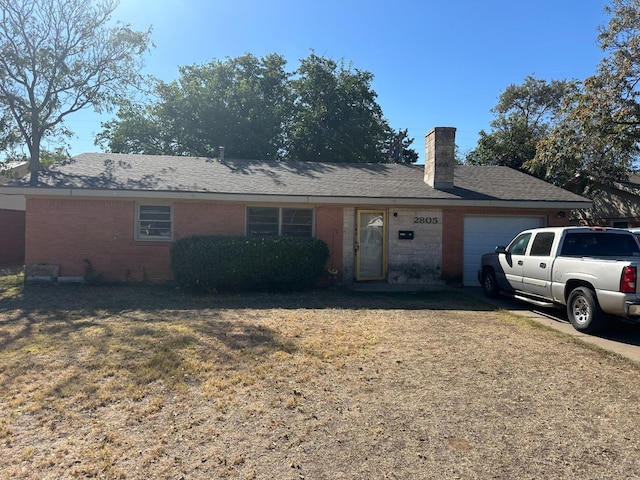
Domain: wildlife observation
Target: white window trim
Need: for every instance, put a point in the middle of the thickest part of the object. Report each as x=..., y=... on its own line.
x=152, y=238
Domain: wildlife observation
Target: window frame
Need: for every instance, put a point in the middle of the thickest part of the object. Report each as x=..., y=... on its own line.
x=139, y=237
x=544, y=240
x=516, y=248
x=280, y=225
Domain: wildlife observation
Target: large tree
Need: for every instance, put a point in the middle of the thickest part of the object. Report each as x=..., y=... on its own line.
x=523, y=117
x=255, y=109
x=336, y=116
x=599, y=131
x=397, y=147
x=239, y=104
x=58, y=57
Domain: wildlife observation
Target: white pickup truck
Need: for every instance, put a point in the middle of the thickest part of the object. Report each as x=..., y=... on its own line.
x=592, y=271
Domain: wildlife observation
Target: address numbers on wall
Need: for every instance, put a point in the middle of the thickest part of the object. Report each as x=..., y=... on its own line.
x=428, y=220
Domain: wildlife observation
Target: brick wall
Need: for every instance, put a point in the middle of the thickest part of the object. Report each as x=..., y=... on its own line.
x=12, y=230
x=208, y=219
x=65, y=232
x=329, y=222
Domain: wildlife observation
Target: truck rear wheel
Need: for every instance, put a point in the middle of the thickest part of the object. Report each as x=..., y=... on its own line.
x=584, y=312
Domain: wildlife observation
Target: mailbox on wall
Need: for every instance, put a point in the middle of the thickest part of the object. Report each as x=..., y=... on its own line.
x=405, y=235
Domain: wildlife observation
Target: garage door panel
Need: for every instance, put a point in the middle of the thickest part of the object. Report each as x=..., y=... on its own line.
x=483, y=233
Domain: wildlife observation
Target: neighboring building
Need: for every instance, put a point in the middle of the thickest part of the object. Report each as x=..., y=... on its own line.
x=12, y=230
x=615, y=204
x=401, y=224
x=12, y=216
x=12, y=170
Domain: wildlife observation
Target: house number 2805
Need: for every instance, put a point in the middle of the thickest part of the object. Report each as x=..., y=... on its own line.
x=431, y=220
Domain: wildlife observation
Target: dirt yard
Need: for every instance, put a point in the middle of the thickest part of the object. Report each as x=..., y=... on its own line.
x=151, y=383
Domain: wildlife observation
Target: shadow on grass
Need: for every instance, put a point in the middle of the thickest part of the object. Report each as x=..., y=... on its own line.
x=107, y=300
x=114, y=342
x=59, y=311
x=120, y=322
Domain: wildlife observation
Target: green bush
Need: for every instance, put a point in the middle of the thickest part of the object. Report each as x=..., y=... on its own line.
x=248, y=263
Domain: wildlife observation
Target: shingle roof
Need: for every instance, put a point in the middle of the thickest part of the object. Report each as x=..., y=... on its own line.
x=128, y=172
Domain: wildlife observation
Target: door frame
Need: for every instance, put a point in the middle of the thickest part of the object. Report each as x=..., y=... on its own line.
x=383, y=213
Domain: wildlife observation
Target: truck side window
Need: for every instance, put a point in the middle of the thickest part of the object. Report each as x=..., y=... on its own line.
x=541, y=246
x=599, y=244
x=519, y=245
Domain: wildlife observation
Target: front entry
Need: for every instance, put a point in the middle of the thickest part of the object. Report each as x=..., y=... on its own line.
x=371, y=235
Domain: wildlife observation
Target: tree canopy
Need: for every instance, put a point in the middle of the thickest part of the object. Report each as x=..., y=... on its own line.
x=58, y=57
x=335, y=116
x=239, y=104
x=323, y=111
x=558, y=129
x=599, y=132
x=523, y=117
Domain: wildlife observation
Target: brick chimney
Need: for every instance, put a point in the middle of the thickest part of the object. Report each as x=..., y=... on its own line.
x=439, y=157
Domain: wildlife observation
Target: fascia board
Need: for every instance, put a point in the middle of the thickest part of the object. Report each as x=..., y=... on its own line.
x=299, y=199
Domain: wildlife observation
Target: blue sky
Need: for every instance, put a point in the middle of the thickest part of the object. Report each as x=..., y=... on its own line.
x=436, y=63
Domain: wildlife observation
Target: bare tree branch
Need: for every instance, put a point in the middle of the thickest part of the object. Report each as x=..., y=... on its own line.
x=60, y=56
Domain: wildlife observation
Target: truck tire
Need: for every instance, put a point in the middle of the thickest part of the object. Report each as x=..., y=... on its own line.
x=584, y=312
x=489, y=283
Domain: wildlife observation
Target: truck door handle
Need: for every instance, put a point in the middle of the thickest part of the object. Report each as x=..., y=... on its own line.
x=520, y=262
x=543, y=265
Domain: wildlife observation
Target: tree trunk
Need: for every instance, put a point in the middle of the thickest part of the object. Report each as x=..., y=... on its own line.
x=34, y=161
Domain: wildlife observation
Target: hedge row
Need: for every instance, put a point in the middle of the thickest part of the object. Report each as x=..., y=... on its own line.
x=248, y=263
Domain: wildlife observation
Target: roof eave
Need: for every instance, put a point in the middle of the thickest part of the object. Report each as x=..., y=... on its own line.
x=298, y=199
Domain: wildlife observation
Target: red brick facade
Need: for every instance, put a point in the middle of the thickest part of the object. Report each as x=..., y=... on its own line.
x=329, y=229
x=67, y=232
x=12, y=237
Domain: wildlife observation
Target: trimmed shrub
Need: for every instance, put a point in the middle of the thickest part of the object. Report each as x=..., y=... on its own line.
x=248, y=263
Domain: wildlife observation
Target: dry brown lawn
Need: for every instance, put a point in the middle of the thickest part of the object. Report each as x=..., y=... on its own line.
x=151, y=383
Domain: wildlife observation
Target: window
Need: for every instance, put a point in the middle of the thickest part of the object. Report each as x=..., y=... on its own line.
x=297, y=222
x=519, y=245
x=541, y=246
x=270, y=221
x=599, y=244
x=262, y=222
x=154, y=222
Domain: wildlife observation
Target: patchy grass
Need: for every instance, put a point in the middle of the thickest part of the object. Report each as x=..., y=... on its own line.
x=147, y=382
x=11, y=281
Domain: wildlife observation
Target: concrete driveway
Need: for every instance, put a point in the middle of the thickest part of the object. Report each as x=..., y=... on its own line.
x=620, y=337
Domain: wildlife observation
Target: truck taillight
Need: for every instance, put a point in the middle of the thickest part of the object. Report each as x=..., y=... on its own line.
x=628, y=279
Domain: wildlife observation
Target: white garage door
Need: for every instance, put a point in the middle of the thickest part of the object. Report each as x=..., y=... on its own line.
x=483, y=234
